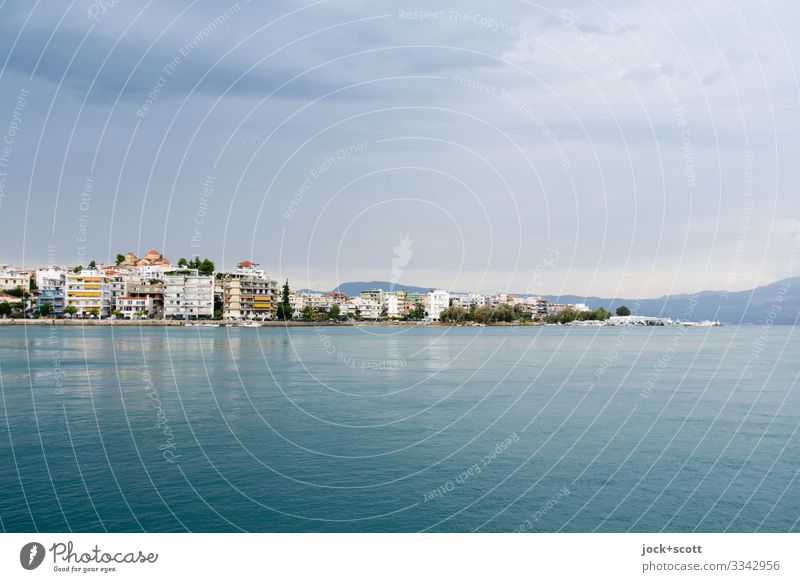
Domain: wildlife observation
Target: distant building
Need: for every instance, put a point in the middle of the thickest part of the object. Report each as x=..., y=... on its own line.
x=118, y=279
x=50, y=278
x=151, y=258
x=12, y=278
x=437, y=302
x=508, y=299
x=375, y=295
x=151, y=272
x=188, y=295
x=468, y=300
x=394, y=305
x=144, y=290
x=336, y=297
x=52, y=296
x=136, y=307
x=88, y=292
x=537, y=306
x=415, y=298
x=249, y=293
x=361, y=308
x=319, y=302
x=50, y=284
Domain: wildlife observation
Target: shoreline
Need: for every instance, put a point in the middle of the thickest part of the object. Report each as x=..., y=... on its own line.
x=263, y=324
x=219, y=323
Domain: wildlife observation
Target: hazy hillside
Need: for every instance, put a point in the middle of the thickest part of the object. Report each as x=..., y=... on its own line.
x=752, y=306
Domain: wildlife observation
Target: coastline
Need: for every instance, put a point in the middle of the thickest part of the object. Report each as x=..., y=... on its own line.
x=215, y=323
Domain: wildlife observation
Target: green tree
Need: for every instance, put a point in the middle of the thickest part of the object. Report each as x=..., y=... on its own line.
x=116, y=313
x=5, y=309
x=120, y=259
x=504, y=312
x=94, y=313
x=92, y=265
x=567, y=315
x=45, y=309
x=335, y=311
x=622, y=311
x=600, y=314
x=417, y=312
x=182, y=263
x=78, y=269
x=523, y=315
x=70, y=310
x=307, y=314
x=454, y=313
x=284, y=310
x=484, y=314
x=206, y=267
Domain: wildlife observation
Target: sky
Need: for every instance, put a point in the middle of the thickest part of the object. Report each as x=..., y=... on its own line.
x=619, y=148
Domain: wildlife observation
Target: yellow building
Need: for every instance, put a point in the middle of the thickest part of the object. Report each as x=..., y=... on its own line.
x=89, y=293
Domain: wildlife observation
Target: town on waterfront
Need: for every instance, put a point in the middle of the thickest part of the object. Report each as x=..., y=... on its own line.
x=150, y=288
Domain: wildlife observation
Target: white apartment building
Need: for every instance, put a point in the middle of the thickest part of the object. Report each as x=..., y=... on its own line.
x=365, y=308
x=537, y=305
x=437, y=301
x=146, y=273
x=50, y=278
x=118, y=282
x=11, y=278
x=299, y=300
x=393, y=305
x=188, y=295
x=508, y=299
x=88, y=292
x=136, y=307
x=467, y=300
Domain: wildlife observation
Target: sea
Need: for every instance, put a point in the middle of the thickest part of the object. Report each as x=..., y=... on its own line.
x=399, y=429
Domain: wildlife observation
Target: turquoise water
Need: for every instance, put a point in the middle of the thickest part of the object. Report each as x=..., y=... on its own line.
x=399, y=429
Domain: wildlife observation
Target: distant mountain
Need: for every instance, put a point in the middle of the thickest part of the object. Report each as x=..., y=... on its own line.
x=778, y=302
x=354, y=288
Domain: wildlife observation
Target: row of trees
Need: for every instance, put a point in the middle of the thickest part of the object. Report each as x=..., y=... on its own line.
x=502, y=312
x=569, y=315
x=204, y=267
x=507, y=313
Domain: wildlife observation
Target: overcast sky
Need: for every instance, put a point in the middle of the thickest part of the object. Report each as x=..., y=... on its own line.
x=615, y=148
